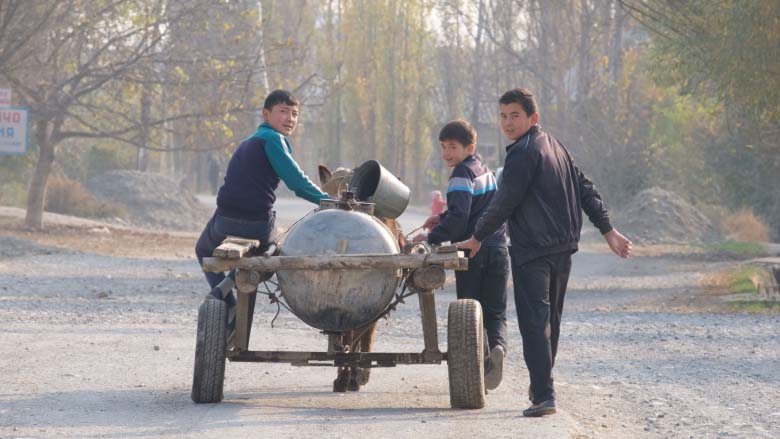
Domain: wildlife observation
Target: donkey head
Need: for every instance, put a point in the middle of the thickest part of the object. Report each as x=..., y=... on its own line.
x=336, y=182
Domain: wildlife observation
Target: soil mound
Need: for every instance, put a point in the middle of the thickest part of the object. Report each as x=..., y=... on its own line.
x=658, y=216
x=151, y=200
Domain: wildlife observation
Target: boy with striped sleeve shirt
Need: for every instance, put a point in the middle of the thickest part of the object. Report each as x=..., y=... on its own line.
x=469, y=191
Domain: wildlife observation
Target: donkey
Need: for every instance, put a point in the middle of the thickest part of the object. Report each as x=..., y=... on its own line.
x=351, y=378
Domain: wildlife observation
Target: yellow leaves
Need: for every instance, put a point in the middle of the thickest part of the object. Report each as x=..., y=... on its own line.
x=181, y=74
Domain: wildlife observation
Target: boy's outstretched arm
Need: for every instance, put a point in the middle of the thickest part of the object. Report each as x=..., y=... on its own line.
x=291, y=174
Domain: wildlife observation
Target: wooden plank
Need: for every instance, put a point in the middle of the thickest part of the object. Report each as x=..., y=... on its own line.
x=453, y=261
x=428, y=315
x=235, y=248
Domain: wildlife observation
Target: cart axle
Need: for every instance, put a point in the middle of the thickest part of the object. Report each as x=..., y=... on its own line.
x=352, y=359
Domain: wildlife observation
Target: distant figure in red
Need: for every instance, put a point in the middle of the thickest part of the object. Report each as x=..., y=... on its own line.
x=438, y=203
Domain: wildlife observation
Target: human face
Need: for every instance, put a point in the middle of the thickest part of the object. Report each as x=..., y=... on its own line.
x=453, y=152
x=282, y=118
x=514, y=121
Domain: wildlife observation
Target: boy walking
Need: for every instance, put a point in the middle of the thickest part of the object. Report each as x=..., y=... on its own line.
x=470, y=189
x=542, y=197
x=246, y=199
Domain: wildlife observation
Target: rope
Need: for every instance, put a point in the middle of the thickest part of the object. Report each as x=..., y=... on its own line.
x=274, y=298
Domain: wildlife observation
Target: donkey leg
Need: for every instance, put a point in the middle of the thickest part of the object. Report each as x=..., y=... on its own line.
x=366, y=345
x=344, y=374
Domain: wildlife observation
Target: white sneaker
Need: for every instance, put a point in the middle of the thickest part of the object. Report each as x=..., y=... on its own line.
x=493, y=374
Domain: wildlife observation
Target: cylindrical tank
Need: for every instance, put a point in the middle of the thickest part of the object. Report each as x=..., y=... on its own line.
x=338, y=300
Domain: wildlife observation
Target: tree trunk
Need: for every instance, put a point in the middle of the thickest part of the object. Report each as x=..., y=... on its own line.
x=142, y=163
x=36, y=195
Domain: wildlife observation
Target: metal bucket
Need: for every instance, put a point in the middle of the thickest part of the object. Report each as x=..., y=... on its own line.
x=373, y=183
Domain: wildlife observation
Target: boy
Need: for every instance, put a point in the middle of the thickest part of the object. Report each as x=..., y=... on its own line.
x=246, y=199
x=542, y=197
x=470, y=189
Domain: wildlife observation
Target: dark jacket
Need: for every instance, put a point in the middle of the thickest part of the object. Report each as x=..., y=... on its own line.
x=469, y=191
x=254, y=172
x=542, y=196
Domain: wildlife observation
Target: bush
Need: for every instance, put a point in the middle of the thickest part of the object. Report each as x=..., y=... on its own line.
x=67, y=196
x=101, y=159
x=13, y=194
x=743, y=225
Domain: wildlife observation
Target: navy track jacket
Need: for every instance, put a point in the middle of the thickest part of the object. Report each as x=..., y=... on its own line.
x=470, y=189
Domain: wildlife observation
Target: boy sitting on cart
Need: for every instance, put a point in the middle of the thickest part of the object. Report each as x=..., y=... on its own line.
x=246, y=199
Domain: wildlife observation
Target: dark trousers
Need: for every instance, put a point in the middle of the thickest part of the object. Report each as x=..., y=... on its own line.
x=485, y=281
x=540, y=286
x=219, y=227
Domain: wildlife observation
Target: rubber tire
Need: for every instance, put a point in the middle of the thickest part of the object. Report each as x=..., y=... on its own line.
x=466, y=356
x=208, y=377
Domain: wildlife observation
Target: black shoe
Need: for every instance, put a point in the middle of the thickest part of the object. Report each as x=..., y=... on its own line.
x=542, y=409
x=494, y=371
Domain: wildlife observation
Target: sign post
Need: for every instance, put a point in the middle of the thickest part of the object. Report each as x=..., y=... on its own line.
x=5, y=97
x=14, y=128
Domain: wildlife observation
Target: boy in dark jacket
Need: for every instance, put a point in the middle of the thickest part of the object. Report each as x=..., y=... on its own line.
x=542, y=197
x=470, y=189
x=246, y=199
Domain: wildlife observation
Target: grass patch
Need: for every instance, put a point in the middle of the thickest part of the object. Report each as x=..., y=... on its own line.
x=737, y=249
x=755, y=306
x=743, y=280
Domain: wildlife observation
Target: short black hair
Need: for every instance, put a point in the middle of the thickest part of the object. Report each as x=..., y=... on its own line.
x=460, y=131
x=521, y=96
x=277, y=97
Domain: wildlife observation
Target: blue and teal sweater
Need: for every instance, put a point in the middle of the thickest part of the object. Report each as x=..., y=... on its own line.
x=254, y=172
x=470, y=189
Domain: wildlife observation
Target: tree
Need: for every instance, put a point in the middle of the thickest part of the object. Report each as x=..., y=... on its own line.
x=99, y=70
x=726, y=51
x=76, y=49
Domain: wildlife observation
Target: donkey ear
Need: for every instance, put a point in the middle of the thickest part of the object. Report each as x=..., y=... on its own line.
x=325, y=174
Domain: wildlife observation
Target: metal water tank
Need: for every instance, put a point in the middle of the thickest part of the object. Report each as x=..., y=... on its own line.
x=338, y=300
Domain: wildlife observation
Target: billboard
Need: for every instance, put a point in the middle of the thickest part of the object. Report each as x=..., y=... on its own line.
x=14, y=127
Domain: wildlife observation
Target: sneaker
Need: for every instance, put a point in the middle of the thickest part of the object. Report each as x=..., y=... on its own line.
x=493, y=373
x=542, y=409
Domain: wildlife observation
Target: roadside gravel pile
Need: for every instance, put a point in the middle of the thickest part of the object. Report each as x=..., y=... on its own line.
x=657, y=216
x=152, y=201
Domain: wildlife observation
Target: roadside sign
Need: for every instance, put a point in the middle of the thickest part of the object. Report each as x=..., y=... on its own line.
x=5, y=97
x=14, y=127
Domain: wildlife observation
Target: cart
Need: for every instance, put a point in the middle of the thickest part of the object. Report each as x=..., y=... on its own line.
x=423, y=271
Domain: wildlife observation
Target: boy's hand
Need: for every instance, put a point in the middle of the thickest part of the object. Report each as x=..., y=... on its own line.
x=432, y=222
x=619, y=244
x=420, y=238
x=470, y=244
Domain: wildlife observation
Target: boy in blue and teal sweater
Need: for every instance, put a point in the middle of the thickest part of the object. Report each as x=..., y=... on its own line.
x=246, y=199
x=469, y=191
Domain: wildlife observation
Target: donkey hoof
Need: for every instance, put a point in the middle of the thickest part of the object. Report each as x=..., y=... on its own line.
x=340, y=386
x=353, y=386
x=342, y=382
x=362, y=376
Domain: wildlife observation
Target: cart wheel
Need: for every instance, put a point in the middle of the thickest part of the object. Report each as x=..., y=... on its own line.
x=210, y=351
x=466, y=358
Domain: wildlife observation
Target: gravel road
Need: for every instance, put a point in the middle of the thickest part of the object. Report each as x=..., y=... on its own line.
x=97, y=344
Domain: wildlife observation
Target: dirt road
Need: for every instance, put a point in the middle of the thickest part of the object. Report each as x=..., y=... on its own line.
x=98, y=341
